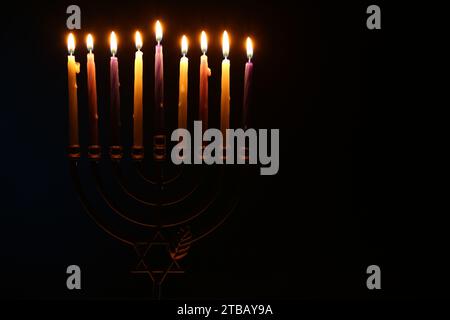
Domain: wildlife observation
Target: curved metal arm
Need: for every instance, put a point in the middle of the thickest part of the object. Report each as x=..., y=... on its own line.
x=109, y=202
x=221, y=221
x=138, y=167
x=225, y=217
x=198, y=213
x=122, y=183
x=86, y=204
x=100, y=187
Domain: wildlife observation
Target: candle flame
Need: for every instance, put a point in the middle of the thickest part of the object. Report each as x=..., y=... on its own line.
x=225, y=44
x=159, y=33
x=113, y=43
x=249, y=48
x=90, y=42
x=71, y=43
x=184, y=45
x=203, y=42
x=138, y=40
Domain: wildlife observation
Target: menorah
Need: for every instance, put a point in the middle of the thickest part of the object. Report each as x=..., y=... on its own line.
x=157, y=208
x=138, y=197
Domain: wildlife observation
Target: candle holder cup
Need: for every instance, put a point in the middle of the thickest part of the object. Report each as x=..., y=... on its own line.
x=224, y=153
x=94, y=152
x=74, y=151
x=244, y=154
x=116, y=152
x=137, y=153
x=159, y=147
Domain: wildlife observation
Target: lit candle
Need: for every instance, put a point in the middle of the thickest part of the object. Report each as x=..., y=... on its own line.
x=138, y=112
x=247, y=83
x=73, y=68
x=159, y=80
x=92, y=98
x=115, y=97
x=225, y=94
x=183, y=86
x=205, y=72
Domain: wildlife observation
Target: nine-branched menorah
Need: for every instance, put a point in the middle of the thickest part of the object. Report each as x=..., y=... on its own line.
x=148, y=203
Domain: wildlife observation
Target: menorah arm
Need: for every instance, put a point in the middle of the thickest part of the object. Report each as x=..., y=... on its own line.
x=237, y=191
x=116, y=209
x=221, y=221
x=199, y=212
x=123, y=185
x=87, y=205
x=138, y=167
x=205, y=208
x=110, y=202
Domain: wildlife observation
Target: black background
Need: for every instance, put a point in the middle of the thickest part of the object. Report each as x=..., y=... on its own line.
x=311, y=231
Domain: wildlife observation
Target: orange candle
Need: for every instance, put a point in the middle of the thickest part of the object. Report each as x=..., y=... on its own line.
x=225, y=93
x=183, y=85
x=92, y=93
x=73, y=68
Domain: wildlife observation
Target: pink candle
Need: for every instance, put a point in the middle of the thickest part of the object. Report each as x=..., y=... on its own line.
x=247, y=83
x=115, y=93
x=138, y=136
x=92, y=93
x=159, y=80
x=205, y=72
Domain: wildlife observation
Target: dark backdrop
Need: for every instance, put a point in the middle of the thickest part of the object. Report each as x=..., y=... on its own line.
x=308, y=232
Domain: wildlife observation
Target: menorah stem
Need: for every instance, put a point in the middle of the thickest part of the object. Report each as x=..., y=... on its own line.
x=159, y=147
x=160, y=191
x=156, y=290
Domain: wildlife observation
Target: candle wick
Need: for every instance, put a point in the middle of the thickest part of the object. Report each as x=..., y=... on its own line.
x=159, y=42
